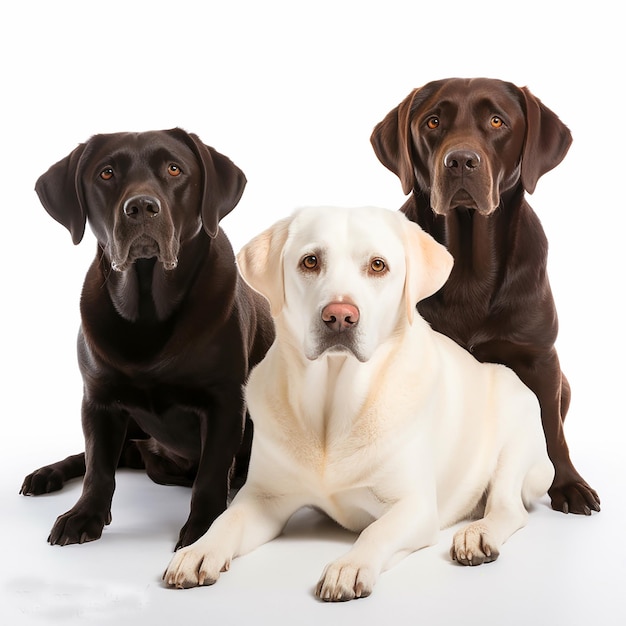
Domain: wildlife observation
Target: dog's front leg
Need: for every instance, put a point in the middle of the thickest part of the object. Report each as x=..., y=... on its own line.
x=569, y=492
x=222, y=432
x=522, y=475
x=253, y=518
x=404, y=528
x=105, y=432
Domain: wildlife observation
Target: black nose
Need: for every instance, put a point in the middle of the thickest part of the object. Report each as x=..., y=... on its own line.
x=462, y=160
x=142, y=206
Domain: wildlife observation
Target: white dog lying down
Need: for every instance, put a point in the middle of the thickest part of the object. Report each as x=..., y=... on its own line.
x=362, y=410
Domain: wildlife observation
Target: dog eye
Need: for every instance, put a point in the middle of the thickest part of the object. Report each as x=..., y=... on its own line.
x=106, y=173
x=174, y=170
x=378, y=266
x=496, y=121
x=432, y=122
x=309, y=262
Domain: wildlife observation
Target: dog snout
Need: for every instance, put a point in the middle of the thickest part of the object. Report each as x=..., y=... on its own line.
x=461, y=161
x=142, y=206
x=340, y=316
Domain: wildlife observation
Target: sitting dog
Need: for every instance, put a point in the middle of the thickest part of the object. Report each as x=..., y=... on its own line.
x=169, y=330
x=363, y=411
x=466, y=150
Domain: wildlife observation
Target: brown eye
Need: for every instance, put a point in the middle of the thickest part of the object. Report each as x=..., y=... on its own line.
x=377, y=266
x=496, y=121
x=106, y=173
x=173, y=170
x=309, y=262
x=432, y=122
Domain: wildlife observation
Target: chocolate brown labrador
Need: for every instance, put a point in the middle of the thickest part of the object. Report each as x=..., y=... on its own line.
x=169, y=330
x=467, y=150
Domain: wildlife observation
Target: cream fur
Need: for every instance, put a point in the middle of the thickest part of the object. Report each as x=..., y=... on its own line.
x=395, y=444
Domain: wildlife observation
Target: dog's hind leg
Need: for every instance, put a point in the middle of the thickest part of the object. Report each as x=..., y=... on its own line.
x=52, y=477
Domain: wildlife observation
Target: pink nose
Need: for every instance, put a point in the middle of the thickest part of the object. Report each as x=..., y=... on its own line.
x=340, y=316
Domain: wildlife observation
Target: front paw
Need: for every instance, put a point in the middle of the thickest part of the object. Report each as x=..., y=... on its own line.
x=193, y=567
x=78, y=526
x=575, y=496
x=472, y=545
x=343, y=580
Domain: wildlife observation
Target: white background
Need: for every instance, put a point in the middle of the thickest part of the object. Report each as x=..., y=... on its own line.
x=291, y=91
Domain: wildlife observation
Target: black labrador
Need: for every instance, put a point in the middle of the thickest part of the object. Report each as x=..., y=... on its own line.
x=169, y=329
x=466, y=150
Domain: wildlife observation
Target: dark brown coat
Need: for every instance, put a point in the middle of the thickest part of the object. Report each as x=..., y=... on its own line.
x=169, y=329
x=466, y=150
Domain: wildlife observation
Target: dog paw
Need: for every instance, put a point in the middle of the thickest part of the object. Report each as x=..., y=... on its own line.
x=43, y=480
x=77, y=526
x=192, y=567
x=472, y=545
x=343, y=581
x=575, y=497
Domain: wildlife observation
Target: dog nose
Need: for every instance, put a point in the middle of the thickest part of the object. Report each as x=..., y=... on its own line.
x=462, y=160
x=340, y=316
x=142, y=206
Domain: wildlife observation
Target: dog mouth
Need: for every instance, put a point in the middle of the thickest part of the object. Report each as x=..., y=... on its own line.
x=462, y=198
x=344, y=343
x=143, y=247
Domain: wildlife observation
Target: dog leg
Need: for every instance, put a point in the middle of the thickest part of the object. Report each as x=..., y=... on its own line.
x=225, y=423
x=505, y=511
x=253, y=518
x=400, y=531
x=52, y=477
x=569, y=492
x=105, y=433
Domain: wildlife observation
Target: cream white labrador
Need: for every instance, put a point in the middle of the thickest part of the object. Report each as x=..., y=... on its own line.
x=362, y=410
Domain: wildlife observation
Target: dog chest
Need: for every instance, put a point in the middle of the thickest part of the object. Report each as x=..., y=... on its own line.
x=354, y=475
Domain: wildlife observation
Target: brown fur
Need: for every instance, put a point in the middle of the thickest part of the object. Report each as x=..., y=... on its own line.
x=466, y=150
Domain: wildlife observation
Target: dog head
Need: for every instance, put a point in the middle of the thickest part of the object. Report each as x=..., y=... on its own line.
x=464, y=142
x=143, y=194
x=344, y=280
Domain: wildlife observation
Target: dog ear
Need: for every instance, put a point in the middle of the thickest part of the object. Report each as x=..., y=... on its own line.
x=547, y=140
x=60, y=193
x=261, y=264
x=428, y=265
x=391, y=140
x=223, y=182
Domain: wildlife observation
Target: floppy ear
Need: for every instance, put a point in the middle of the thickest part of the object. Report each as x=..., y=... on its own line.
x=391, y=140
x=60, y=193
x=261, y=264
x=547, y=141
x=428, y=265
x=223, y=182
